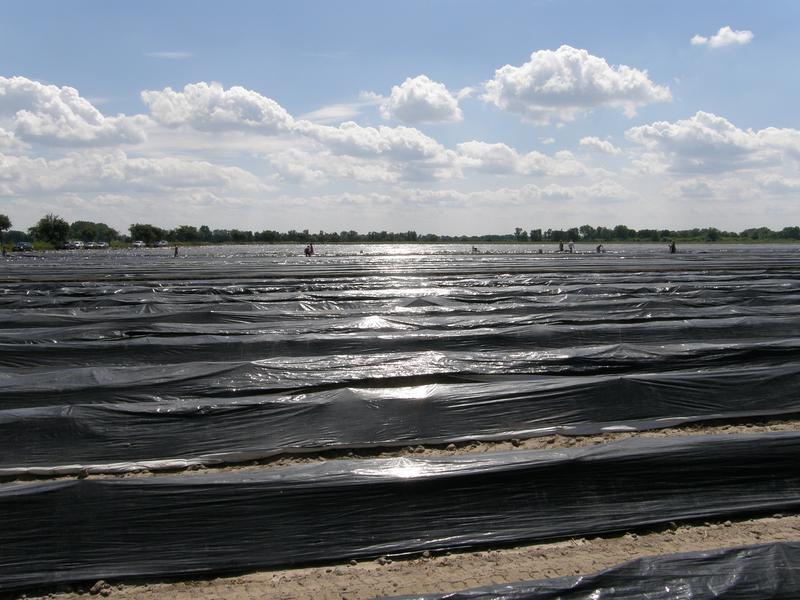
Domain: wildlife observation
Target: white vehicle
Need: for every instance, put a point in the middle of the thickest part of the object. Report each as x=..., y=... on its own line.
x=138, y=244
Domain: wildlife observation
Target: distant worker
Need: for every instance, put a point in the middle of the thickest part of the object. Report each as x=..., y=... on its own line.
x=571, y=246
x=600, y=248
x=5, y=253
x=560, y=246
x=176, y=251
x=474, y=249
x=672, y=248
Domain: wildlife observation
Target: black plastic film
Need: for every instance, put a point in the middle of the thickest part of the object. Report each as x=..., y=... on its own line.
x=144, y=526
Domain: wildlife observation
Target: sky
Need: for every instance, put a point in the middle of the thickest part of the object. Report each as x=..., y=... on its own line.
x=438, y=116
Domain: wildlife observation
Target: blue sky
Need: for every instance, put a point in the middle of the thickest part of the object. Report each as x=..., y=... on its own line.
x=447, y=117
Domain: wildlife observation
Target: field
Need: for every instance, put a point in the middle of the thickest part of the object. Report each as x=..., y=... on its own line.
x=392, y=419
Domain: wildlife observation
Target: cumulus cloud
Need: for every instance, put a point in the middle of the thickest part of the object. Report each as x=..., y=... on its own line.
x=724, y=37
x=421, y=100
x=59, y=116
x=785, y=140
x=502, y=159
x=595, y=143
x=706, y=142
x=8, y=141
x=210, y=107
x=565, y=83
x=350, y=138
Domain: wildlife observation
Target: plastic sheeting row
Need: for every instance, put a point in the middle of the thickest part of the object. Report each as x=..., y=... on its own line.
x=762, y=571
x=85, y=529
x=161, y=434
x=375, y=334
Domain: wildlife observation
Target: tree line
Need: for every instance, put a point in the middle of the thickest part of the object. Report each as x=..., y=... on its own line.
x=623, y=233
x=55, y=231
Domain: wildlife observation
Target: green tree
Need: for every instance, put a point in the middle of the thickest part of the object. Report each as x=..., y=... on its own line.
x=52, y=229
x=622, y=232
x=90, y=232
x=5, y=225
x=146, y=233
x=792, y=233
x=185, y=233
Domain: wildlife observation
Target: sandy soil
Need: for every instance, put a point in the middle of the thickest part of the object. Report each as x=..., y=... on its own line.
x=456, y=571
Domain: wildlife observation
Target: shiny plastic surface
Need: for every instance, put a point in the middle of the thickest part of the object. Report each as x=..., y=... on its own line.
x=114, y=360
x=330, y=512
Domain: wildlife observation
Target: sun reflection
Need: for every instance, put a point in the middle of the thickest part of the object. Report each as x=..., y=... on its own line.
x=403, y=468
x=378, y=322
x=414, y=392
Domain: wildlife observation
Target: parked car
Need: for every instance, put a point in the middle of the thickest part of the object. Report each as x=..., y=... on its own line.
x=74, y=245
x=101, y=245
x=162, y=244
x=138, y=244
x=22, y=247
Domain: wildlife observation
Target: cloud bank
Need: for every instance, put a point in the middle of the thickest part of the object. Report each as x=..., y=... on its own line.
x=59, y=116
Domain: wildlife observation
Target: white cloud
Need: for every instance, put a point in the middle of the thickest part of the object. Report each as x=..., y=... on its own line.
x=724, y=37
x=708, y=143
x=547, y=140
x=778, y=184
x=785, y=140
x=502, y=159
x=115, y=171
x=565, y=83
x=402, y=143
x=604, y=146
x=492, y=158
x=421, y=100
x=8, y=141
x=334, y=113
x=210, y=107
x=491, y=199
x=320, y=167
x=59, y=116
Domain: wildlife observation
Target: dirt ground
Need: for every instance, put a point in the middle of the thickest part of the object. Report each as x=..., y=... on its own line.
x=456, y=571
